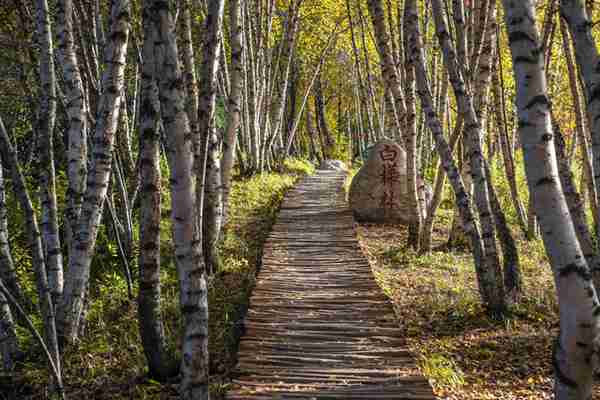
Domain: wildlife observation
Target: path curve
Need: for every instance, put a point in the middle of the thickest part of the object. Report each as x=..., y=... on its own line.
x=318, y=326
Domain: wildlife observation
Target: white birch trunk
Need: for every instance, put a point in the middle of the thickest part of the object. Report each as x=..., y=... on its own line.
x=213, y=191
x=188, y=253
x=76, y=114
x=235, y=100
x=578, y=303
x=84, y=239
x=46, y=120
x=492, y=277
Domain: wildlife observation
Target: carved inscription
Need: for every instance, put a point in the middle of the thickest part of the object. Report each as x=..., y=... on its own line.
x=389, y=175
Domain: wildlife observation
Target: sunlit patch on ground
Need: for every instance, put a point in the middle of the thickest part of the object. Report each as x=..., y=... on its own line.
x=464, y=353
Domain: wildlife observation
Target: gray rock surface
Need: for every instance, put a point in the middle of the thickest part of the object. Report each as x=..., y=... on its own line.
x=378, y=192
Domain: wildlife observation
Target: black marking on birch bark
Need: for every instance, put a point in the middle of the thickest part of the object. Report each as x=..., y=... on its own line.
x=594, y=94
x=589, y=292
x=547, y=180
x=581, y=270
x=540, y=99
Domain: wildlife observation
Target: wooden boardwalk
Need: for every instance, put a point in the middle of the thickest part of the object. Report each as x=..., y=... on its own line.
x=318, y=326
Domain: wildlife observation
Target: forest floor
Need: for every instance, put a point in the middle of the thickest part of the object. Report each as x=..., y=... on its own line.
x=465, y=353
x=108, y=362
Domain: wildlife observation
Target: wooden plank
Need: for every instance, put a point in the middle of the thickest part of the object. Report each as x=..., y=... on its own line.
x=318, y=326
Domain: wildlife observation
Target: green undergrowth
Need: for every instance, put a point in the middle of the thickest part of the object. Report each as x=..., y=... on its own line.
x=108, y=362
x=465, y=353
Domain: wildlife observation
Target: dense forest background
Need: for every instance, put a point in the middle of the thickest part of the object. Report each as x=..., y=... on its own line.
x=146, y=146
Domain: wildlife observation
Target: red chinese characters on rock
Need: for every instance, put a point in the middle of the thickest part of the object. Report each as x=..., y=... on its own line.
x=389, y=176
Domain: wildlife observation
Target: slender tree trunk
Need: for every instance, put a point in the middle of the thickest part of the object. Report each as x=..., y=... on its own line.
x=586, y=54
x=76, y=114
x=161, y=363
x=7, y=267
x=492, y=278
x=438, y=190
x=235, y=100
x=405, y=109
x=513, y=282
x=46, y=120
x=213, y=203
x=434, y=125
x=579, y=125
x=328, y=141
x=507, y=155
x=410, y=135
x=9, y=158
x=9, y=348
x=188, y=251
x=84, y=240
x=578, y=303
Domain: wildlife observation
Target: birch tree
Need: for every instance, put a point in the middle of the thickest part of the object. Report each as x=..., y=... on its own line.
x=586, y=54
x=573, y=359
x=161, y=364
x=235, y=99
x=492, y=277
x=9, y=158
x=76, y=114
x=406, y=123
x=213, y=192
x=463, y=201
x=84, y=239
x=188, y=252
x=46, y=121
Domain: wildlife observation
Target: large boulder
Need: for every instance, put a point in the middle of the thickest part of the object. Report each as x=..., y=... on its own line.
x=333, y=165
x=379, y=191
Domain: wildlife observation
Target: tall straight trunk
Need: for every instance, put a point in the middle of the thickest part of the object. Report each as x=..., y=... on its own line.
x=573, y=357
x=410, y=135
x=513, y=281
x=435, y=126
x=46, y=120
x=235, y=99
x=576, y=206
x=586, y=54
x=579, y=125
x=492, y=277
x=328, y=140
x=84, y=239
x=358, y=71
x=438, y=189
x=76, y=114
x=213, y=191
x=285, y=60
x=9, y=158
x=9, y=347
x=315, y=75
x=404, y=107
x=188, y=251
x=507, y=154
x=191, y=82
x=161, y=363
x=7, y=266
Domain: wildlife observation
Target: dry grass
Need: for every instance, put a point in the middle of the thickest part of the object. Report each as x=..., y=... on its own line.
x=464, y=353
